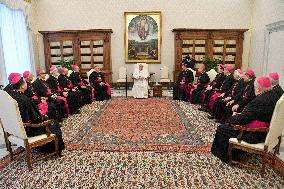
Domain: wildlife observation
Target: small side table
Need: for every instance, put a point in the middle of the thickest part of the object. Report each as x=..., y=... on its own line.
x=157, y=90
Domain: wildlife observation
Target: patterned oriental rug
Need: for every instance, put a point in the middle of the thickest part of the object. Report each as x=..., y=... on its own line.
x=154, y=124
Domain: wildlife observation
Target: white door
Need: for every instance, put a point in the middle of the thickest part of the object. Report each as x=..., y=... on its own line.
x=275, y=61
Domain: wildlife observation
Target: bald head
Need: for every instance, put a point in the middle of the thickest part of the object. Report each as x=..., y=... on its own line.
x=201, y=68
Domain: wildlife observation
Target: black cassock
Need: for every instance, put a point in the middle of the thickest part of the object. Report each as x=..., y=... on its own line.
x=30, y=114
x=65, y=83
x=86, y=90
x=247, y=96
x=225, y=87
x=216, y=84
x=278, y=90
x=41, y=88
x=100, y=90
x=220, y=111
x=52, y=111
x=181, y=91
x=260, y=108
x=9, y=88
x=73, y=99
x=202, y=82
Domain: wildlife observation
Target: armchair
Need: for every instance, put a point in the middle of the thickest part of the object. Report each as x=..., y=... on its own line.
x=14, y=130
x=272, y=141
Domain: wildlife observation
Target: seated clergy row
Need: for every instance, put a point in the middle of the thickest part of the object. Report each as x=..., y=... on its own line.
x=233, y=97
x=54, y=97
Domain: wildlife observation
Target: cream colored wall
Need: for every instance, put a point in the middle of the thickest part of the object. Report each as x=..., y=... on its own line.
x=92, y=14
x=264, y=12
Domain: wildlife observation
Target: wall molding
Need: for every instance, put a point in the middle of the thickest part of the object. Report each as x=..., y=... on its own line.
x=270, y=28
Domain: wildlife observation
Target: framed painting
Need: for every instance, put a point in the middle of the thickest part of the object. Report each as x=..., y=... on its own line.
x=143, y=37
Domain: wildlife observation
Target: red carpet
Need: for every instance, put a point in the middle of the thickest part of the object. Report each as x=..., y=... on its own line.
x=139, y=125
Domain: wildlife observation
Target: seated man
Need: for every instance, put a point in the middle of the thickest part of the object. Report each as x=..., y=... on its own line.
x=101, y=87
x=212, y=88
x=30, y=114
x=259, y=109
x=226, y=86
x=182, y=88
x=42, y=89
x=45, y=108
x=9, y=88
x=72, y=99
x=140, y=86
x=274, y=78
x=86, y=89
x=202, y=82
x=222, y=105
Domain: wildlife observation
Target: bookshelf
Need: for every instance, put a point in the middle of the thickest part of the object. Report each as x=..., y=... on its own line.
x=86, y=47
x=223, y=44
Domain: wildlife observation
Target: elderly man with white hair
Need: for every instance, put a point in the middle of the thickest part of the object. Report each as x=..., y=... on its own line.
x=71, y=99
x=223, y=105
x=257, y=113
x=140, y=87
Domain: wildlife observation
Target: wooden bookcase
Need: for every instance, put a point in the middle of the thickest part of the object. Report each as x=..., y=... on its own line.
x=85, y=47
x=223, y=44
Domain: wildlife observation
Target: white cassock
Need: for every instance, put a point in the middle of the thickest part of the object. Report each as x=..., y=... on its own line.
x=140, y=87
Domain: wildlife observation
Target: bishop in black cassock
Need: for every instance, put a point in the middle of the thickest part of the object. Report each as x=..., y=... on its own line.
x=73, y=99
x=30, y=114
x=182, y=88
x=202, y=82
x=260, y=108
x=83, y=86
x=101, y=88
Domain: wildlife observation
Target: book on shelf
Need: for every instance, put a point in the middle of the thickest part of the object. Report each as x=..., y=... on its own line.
x=98, y=58
x=98, y=50
x=54, y=44
x=85, y=43
x=55, y=51
x=67, y=50
x=200, y=42
x=86, y=58
x=98, y=42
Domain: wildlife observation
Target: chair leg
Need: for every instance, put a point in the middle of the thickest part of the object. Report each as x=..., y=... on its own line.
x=230, y=153
x=264, y=158
x=168, y=86
x=56, y=146
x=28, y=157
x=8, y=145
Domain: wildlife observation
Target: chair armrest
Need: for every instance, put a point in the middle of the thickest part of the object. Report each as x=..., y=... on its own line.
x=260, y=129
x=42, y=124
x=243, y=128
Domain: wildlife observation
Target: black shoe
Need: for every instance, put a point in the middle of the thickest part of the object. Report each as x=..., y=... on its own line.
x=202, y=109
x=211, y=117
x=77, y=112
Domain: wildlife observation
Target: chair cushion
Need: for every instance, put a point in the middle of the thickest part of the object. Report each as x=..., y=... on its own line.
x=20, y=142
x=258, y=146
x=165, y=80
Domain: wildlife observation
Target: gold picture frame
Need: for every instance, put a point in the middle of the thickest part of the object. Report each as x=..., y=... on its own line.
x=143, y=37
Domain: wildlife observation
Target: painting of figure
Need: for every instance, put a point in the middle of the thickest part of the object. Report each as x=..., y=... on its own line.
x=143, y=37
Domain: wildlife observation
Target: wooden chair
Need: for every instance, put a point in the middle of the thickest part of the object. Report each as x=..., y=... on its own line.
x=272, y=141
x=165, y=76
x=121, y=77
x=89, y=73
x=14, y=130
x=212, y=74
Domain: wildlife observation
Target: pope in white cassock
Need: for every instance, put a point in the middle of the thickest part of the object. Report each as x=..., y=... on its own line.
x=140, y=87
